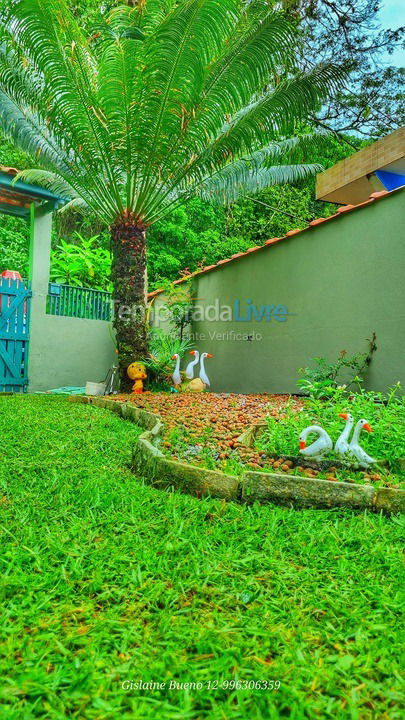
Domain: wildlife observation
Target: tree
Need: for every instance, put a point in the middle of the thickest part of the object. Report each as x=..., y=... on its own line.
x=166, y=100
x=350, y=32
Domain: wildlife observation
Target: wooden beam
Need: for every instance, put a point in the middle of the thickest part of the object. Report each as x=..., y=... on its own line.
x=336, y=180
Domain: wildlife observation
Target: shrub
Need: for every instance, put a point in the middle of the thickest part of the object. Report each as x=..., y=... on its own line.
x=162, y=347
x=325, y=377
x=82, y=264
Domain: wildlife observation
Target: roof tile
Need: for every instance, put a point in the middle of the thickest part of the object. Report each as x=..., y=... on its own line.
x=207, y=267
x=346, y=208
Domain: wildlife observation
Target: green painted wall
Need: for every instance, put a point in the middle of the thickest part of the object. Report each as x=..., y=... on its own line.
x=68, y=351
x=340, y=281
x=62, y=350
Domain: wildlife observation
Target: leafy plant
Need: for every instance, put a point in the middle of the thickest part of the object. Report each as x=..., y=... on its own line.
x=14, y=244
x=81, y=264
x=162, y=347
x=322, y=380
x=167, y=100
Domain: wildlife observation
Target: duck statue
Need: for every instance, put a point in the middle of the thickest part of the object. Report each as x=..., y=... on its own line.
x=202, y=382
x=355, y=450
x=190, y=367
x=176, y=377
x=319, y=447
x=342, y=443
x=136, y=371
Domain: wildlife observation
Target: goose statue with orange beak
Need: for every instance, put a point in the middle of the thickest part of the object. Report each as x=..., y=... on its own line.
x=202, y=382
x=176, y=377
x=319, y=447
x=355, y=451
x=190, y=367
x=342, y=443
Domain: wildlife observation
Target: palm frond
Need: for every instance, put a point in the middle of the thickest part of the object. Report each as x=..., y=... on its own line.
x=47, y=179
x=176, y=56
x=239, y=179
x=172, y=97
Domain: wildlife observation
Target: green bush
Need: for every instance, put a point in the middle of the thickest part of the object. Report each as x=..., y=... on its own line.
x=14, y=245
x=324, y=377
x=83, y=264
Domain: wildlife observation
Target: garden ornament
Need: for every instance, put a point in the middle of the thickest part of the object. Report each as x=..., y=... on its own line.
x=202, y=382
x=192, y=364
x=363, y=459
x=136, y=371
x=342, y=443
x=176, y=374
x=319, y=447
x=203, y=374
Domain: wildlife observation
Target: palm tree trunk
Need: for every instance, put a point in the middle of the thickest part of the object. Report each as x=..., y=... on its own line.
x=128, y=241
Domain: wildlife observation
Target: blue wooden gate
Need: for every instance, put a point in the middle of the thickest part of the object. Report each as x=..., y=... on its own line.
x=14, y=335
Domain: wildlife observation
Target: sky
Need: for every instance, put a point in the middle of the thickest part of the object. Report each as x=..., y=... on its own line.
x=391, y=16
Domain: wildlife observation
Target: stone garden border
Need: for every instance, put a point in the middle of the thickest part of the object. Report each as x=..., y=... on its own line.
x=251, y=486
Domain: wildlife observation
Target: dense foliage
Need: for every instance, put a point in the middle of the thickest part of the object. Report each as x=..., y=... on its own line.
x=196, y=234
x=368, y=107
x=81, y=264
x=350, y=31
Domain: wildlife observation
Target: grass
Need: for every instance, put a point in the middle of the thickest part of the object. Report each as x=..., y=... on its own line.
x=104, y=579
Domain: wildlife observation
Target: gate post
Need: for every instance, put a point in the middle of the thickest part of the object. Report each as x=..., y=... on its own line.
x=40, y=255
x=39, y=266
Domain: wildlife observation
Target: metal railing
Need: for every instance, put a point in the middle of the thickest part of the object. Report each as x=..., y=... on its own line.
x=79, y=302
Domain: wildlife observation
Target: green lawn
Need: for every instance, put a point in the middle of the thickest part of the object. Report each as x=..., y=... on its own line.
x=105, y=580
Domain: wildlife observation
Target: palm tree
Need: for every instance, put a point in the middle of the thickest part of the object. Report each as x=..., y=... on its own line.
x=166, y=100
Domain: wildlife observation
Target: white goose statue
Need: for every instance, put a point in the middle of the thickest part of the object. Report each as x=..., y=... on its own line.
x=203, y=374
x=342, y=443
x=202, y=382
x=190, y=367
x=319, y=447
x=363, y=459
x=176, y=377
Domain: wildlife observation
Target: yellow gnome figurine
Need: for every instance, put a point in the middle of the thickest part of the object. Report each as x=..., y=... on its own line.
x=136, y=371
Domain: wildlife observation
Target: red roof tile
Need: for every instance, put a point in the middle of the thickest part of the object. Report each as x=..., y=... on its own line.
x=273, y=241
x=346, y=208
x=290, y=232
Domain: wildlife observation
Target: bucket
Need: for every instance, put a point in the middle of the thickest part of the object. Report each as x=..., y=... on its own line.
x=93, y=388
